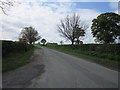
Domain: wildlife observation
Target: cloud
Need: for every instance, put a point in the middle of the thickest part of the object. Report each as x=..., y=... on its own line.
x=69, y=0
x=43, y=17
x=87, y=15
x=113, y=5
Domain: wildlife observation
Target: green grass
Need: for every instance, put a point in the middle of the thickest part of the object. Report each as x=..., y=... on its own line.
x=15, y=60
x=101, y=58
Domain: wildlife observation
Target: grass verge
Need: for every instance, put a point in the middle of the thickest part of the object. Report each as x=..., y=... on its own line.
x=15, y=60
x=97, y=58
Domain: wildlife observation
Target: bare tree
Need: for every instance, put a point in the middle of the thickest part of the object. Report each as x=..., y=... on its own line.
x=71, y=27
x=5, y=5
x=30, y=34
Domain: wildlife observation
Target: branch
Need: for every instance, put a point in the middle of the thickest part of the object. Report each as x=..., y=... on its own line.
x=3, y=10
x=5, y=5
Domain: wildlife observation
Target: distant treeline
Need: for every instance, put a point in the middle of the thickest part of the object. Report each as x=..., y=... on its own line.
x=14, y=47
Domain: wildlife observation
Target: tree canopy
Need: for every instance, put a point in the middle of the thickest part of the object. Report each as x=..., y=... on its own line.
x=61, y=42
x=43, y=41
x=71, y=27
x=106, y=28
x=30, y=34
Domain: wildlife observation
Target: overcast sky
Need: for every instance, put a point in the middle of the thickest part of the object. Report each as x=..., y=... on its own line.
x=44, y=16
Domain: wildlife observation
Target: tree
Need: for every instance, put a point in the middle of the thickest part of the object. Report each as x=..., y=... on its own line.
x=43, y=41
x=5, y=5
x=70, y=26
x=30, y=34
x=61, y=42
x=79, y=32
x=106, y=28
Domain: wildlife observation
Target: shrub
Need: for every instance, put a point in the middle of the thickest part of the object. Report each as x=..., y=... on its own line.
x=102, y=48
x=105, y=51
x=13, y=47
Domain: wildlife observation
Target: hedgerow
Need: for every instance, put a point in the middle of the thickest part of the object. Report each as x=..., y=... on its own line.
x=102, y=48
x=14, y=47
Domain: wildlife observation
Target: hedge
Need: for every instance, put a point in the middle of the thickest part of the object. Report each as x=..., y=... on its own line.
x=14, y=47
x=102, y=48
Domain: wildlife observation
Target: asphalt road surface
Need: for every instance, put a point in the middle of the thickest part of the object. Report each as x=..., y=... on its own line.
x=63, y=71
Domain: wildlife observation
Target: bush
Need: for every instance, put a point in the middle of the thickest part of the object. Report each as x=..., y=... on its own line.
x=13, y=47
x=102, y=48
x=105, y=51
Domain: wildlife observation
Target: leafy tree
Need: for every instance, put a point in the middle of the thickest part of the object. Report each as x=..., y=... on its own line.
x=79, y=32
x=71, y=27
x=30, y=34
x=43, y=41
x=106, y=28
x=61, y=42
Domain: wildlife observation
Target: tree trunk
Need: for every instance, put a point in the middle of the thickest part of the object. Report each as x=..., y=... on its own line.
x=78, y=41
x=72, y=42
x=30, y=42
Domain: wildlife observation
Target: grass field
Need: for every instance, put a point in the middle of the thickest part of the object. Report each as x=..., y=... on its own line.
x=15, y=60
x=105, y=59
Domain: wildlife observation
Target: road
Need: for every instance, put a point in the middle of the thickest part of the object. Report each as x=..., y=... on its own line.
x=66, y=71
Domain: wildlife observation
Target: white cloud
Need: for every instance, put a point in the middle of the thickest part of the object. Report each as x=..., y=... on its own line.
x=43, y=18
x=69, y=0
x=87, y=15
x=113, y=5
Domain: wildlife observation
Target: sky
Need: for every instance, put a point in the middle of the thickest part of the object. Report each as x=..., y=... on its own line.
x=44, y=16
